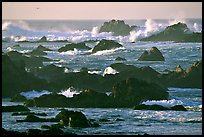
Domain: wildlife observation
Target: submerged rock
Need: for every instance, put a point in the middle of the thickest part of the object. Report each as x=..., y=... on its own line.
x=27, y=113
x=73, y=46
x=159, y=107
x=120, y=59
x=14, y=108
x=106, y=45
x=118, y=27
x=153, y=55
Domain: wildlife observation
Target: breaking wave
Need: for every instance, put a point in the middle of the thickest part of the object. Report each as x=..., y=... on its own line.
x=164, y=103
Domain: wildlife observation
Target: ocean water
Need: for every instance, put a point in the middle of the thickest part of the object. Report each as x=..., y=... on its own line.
x=123, y=120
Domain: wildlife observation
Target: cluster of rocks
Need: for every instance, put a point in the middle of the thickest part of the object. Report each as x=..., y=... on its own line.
x=65, y=118
x=118, y=27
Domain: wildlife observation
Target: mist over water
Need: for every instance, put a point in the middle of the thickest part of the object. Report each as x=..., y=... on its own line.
x=76, y=31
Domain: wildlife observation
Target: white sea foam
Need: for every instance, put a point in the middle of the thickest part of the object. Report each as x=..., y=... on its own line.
x=70, y=92
x=9, y=49
x=102, y=52
x=94, y=72
x=150, y=28
x=109, y=70
x=66, y=70
x=71, y=52
x=32, y=94
x=165, y=103
x=183, y=89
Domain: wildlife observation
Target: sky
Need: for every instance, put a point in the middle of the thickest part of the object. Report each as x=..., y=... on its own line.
x=101, y=10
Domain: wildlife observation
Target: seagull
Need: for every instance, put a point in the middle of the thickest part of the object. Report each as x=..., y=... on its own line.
x=37, y=8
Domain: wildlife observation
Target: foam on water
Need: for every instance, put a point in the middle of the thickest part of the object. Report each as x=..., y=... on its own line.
x=70, y=92
x=32, y=94
x=103, y=52
x=109, y=70
x=165, y=103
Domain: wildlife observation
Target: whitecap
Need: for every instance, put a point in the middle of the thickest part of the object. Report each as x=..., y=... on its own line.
x=107, y=51
x=165, y=103
x=70, y=92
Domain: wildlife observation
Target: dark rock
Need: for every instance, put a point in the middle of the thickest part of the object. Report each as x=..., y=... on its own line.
x=14, y=108
x=72, y=119
x=13, y=73
x=132, y=91
x=178, y=108
x=39, y=51
x=106, y=45
x=33, y=118
x=104, y=120
x=18, y=98
x=34, y=132
x=158, y=107
x=28, y=113
x=45, y=127
x=178, y=32
x=43, y=39
x=153, y=55
x=73, y=46
x=188, y=78
x=84, y=69
x=54, y=99
x=11, y=133
x=118, y=27
x=50, y=73
x=17, y=46
x=120, y=59
x=119, y=119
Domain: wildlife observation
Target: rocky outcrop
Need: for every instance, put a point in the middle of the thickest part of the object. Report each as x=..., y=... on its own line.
x=159, y=107
x=50, y=73
x=178, y=32
x=13, y=73
x=39, y=51
x=188, y=78
x=73, y=46
x=43, y=39
x=118, y=27
x=132, y=91
x=18, y=98
x=16, y=108
x=106, y=45
x=153, y=55
x=86, y=99
x=29, y=61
